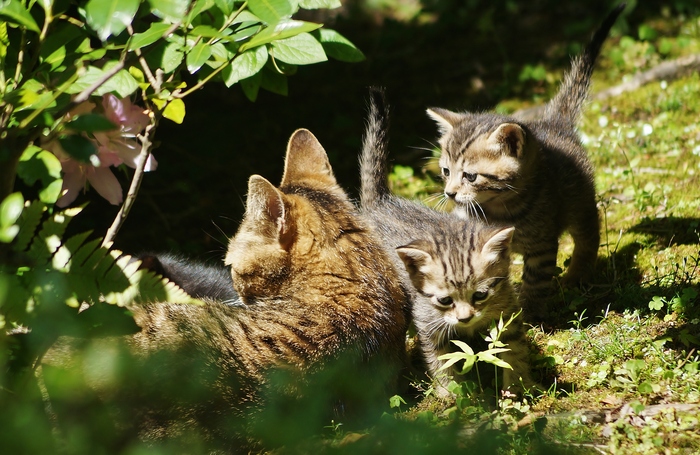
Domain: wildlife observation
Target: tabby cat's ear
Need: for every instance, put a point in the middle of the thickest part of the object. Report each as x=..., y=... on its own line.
x=509, y=138
x=266, y=205
x=306, y=160
x=445, y=119
x=498, y=246
x=417, y=260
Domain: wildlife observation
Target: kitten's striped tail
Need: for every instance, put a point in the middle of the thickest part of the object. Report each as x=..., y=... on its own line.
x=567, y=104
x=375, y=150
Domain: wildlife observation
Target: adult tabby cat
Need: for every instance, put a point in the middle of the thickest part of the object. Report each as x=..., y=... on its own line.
x=458, y=270
x=321, y=330
x=532, y=174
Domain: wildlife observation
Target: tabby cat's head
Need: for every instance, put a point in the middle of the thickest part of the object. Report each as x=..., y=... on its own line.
x=286, y=229
x=463, y=283
x=483, y=158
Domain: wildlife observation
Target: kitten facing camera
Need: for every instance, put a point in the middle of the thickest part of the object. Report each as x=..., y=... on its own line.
x=533, y=174
x=457, y=270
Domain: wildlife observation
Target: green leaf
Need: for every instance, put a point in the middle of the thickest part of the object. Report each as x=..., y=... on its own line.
x=251, y=86
x=281, y=30
x=175, y=111
x=302, y=49
x=172, y=10
x=197, y=56
x=51, y=192
x=274, y=82
x=11, y=209
x=172, y=57
x=197, y=9
x=316, y=4
x=656, y=303
x=271, y=11
x=31, y=95
x=339, y=47
x=245, y=65
x=78, y=147
x=150, y=36
x=122, y=83
x=451, y=360
x=90, y=123
x=226, y=6
x=645, y=388
x=646, y=33
x=245, y=30
x=463, y=346
x=492, y=359
x=110, y=17
x=37, y=164
x=16, y=13
x=396, y=401
x=207, y=31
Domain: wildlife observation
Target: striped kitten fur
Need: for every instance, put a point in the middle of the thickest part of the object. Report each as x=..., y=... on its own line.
x=457, y=270
x=532, y=174
x=320, y=330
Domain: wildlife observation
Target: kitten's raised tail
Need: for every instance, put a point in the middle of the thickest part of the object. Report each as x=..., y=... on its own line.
x=567, y=104
x=375, y=150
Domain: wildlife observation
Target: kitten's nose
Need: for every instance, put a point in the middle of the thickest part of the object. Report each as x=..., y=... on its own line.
x=450, y=195
x=465, y=319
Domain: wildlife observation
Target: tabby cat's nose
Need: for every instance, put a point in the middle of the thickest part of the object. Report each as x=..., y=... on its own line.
x=450, y=195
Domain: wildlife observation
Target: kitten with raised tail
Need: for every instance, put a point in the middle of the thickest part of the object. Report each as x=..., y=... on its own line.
x=320, y=334
x=533, y=174
x=457, y=270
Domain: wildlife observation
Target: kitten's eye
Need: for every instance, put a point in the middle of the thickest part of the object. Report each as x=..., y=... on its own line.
x=479, y=295
x=445, y=301
x=469, y=177
x=445, y=172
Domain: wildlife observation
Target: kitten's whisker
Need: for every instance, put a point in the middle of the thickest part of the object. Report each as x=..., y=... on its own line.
x=481, y=210
x=433, y=197
x=421, y=148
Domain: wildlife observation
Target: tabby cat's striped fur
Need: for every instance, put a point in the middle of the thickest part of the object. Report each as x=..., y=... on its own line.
x=458, y=270
x=533, y=174
x=320, y=327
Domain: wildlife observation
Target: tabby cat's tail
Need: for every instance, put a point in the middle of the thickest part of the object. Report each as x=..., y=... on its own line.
x=375, y=150
x=567, y=104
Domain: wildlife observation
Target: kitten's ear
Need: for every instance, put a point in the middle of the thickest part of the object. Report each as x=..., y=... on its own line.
x=266, y=206
x=306, y=160
x=508, y=138
x=498, y=246
x=445, y=119
x=417, y=260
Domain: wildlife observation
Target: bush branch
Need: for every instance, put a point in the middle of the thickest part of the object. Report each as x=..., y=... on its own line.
x=146, y=144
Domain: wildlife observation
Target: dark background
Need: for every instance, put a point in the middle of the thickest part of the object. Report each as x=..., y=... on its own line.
x=458, y=54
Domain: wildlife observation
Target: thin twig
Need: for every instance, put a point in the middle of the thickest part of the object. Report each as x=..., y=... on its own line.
x=20, y=58
x=146, y=144
x=85, y=94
